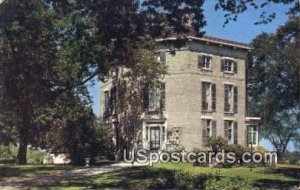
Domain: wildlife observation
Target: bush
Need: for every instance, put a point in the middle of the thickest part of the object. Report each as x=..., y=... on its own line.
x=169, y=179
x=217, y=143
x=197, y=163
x=238, y=150
x=35, y=156
x=216, y=183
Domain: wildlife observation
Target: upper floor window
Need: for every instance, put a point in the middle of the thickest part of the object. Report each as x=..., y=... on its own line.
x=205, y=62
x=230, y=130
x=228, y=66
x=230, y=98
x=156, y=98
x=208, y=96
x=252, y=135
x=161, y=57
x=209, y=129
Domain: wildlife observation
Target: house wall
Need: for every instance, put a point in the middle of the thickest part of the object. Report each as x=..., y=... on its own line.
x=183, y=91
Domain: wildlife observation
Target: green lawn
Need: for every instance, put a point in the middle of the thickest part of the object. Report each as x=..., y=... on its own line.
x=158, y=176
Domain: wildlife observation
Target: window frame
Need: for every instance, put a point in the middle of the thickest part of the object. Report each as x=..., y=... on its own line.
x=254, y=136
x=229, y=101
x=206, y=60
x=228, y=64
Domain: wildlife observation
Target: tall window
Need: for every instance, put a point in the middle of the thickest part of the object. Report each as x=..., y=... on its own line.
x=113, y=99
x=204, y=62
x=209, y=129
x=228, y=66
x=230, y=130
x=230, y=98
x=157, y=98
x=252, y=135
x=208, y=96
x=161, y=57
x=106, y=102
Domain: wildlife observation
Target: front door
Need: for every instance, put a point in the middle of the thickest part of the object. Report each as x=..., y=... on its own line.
x=154, y=138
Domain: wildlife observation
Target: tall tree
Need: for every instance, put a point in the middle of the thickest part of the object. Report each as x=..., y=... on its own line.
x=42, y=40
x=274, y=84
x=28, y=56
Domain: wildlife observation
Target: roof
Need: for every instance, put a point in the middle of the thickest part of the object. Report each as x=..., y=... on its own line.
x=213, y=40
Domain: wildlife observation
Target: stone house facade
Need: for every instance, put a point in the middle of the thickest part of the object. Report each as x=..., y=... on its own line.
x=204, y=95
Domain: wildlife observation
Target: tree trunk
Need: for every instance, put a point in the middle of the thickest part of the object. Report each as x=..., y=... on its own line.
x=22, y=152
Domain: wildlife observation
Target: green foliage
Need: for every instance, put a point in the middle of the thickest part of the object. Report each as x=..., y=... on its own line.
x=216, y=183
x=217, y=143
x=35, y=156
x=273, y=83
x=234, y=8
x=170, y=179
x=197, y=150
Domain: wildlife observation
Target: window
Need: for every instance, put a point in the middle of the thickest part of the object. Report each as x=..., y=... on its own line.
x=161, y=57
x=252, y=135
x=157, y=98
x=230, y=128
x=204, y=62
x=230, y=98
x=208, y=96
x=113, y=99
x=106, y=102
x=209, y=129
x=163, y=96
x=228, y=66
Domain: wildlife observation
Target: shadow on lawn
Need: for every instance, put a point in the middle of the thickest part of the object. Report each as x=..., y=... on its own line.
x=291, y=172
x=17, y=171
x=128, y=178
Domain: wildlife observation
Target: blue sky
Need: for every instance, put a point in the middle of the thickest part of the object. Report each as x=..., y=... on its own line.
x=242, y=30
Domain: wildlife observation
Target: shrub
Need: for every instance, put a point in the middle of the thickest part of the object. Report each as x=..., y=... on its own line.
x=216, y=183
x=217, y=143
x=35, y=156
x=238, y=150
x=197, y=163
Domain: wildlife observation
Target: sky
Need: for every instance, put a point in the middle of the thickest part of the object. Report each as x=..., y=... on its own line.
x=243, y=30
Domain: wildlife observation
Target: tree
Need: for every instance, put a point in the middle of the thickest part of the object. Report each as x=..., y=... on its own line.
x=234, y=8
x=28, y=56
x=274, y=84
x=41, y=41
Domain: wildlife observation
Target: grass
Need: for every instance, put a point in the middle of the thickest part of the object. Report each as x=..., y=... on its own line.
x=8, y=171
x=279, y=177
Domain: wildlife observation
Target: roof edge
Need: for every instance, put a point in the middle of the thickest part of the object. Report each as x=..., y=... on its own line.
x=213, y=40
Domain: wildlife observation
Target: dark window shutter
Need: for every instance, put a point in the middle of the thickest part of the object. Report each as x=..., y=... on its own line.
x=235, y=133
x=222, y=65
x=162, y=96
x=214, y=128
x=204, y=132
x=235, y=99
x=200, y=61
x=248, y=140
x=226, y=103
x=213, y=101
x=203, y=96
x=162, y=57
x=146, y=97
x=226, y=130
x=235, y=67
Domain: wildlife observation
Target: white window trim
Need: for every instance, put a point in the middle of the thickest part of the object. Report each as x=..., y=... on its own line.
x=232, y=66
x=210, y=63
x=254, y=132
